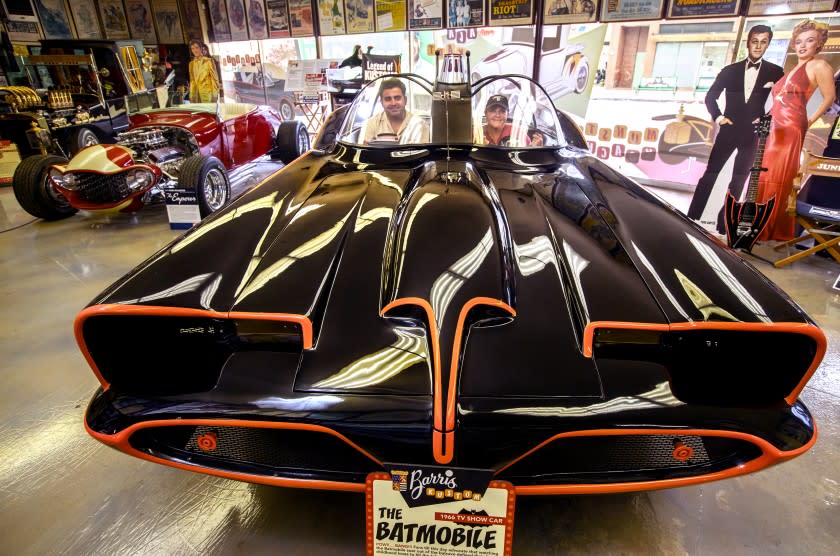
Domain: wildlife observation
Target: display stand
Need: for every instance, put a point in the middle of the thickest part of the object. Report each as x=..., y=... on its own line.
x=315, y=108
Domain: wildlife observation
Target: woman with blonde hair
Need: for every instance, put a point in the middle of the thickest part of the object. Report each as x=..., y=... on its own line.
x=204, y=81
x=790, y=122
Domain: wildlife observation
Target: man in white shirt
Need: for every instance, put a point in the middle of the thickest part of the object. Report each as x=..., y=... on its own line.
x=395, y=124
x=747, y=84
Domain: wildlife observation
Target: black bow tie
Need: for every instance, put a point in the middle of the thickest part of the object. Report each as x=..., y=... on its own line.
x=753, y=65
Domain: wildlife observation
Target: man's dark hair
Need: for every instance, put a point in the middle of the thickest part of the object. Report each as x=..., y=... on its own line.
x=391, y=83
x=755, y=29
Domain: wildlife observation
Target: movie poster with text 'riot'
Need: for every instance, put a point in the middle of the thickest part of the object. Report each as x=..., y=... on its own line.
x=417, y=511
x=510, y=12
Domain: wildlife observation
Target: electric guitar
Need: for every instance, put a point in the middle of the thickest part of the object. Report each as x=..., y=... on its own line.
x=745, y=220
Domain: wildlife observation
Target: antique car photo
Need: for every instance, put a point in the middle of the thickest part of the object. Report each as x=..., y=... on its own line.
x=259, y=87
x=433, y=299
x=73, y=95
x=190, y=146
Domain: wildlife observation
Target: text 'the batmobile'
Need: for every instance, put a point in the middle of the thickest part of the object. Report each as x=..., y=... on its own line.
x=522, y=308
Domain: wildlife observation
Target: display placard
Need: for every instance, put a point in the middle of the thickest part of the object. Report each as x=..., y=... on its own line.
x=630, y=10
x=510, y=12
x=569, y=11
x=425, y=14
x=775, y=7
x=278, y=19
x=257, y=24
x=390, y=15
x=300, y=18
x=360, y=16
x=219, y=20
x=54, y=19
x=703, y=8
x=415, y=511
x=331, y=18
x=464, y=13
x=236, y=17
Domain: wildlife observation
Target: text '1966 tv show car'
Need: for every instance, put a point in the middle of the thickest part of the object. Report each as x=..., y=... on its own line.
x=191, y=147
x=432, y=299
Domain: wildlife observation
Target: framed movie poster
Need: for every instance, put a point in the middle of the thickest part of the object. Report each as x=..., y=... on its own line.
x=510, y=12
x=300, y=18
x=570, y=11
x=168, y=21
x=331, y=18
x=708, y=8
x=630, y=10
x=425, y=14
x=191, y=19
x=255, y=14
x=278, y=19
x=114, y=22
x=360, y=16
x=390, y=15
x=236, y=16
x=54, y=20
x=219, y=26
x=84, y=17
x=776, y=7
x=464, y=13
x=140, y=23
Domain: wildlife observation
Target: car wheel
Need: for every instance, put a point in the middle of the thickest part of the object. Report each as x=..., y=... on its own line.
x=207, y=176
x=292, y=141
x=287, y=111
x=35, y=193
x=81, y=138
x=581, y=76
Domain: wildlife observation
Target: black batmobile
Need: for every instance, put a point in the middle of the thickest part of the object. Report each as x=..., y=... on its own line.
x=432, y=299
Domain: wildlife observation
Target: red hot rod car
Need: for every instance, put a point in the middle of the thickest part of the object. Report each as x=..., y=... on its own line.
x=193, y=146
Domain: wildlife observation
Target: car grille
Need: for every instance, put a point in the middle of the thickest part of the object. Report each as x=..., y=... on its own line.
x=103, y=188
x=606, y=459
x=258, y=451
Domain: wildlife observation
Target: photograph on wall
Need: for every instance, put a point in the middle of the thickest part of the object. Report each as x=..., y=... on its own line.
x=191, y=18
x=139, y=14
x=425, y=14
x=707, y=8
x=236, y=17
x=220, y=28
x=278, y=19
x=84, y=16
x=300, y=18
x=630, y=10
x=775, y=7
x=510, y=12
x=360, y=16
x=168, y=21
x=255, y=14
x=464, y=13
x=390, y=15
x=570, y=11
x=113, y=19
x=54, y=20
x=331, y=18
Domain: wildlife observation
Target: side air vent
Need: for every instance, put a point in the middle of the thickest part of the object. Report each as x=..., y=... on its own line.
x=717, y=367
x=168, y=355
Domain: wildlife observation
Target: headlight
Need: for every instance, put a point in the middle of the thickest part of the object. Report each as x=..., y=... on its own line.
x=67, y=181
x=139, y=178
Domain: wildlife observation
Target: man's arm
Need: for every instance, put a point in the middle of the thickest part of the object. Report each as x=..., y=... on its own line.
x=714, y=92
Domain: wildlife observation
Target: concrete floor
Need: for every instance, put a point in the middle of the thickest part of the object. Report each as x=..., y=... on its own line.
x=61, y=492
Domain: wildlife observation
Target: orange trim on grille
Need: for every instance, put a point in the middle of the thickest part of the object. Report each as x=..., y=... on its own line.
x=120, y=441
x=770, y=456
x=789, y=327
x=152, y=310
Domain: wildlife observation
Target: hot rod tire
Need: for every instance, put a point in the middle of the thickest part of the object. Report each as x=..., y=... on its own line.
x=81, y=138
x=291, y=142
x=207, y=176
x=35, y=193
x=287, y=110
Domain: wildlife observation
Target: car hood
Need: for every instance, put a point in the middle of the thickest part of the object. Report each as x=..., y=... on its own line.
x=473, y=263
x=105, y=159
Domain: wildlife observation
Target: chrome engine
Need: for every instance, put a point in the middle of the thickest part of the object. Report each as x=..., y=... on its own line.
x=165, y=147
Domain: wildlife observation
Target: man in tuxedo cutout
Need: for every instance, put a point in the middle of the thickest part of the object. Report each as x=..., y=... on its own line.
x=747, y=84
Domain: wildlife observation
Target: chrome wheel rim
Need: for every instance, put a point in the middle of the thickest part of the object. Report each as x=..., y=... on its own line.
x=303, y=140
x=89, y=138
x=215, y=189
x=286, y=111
